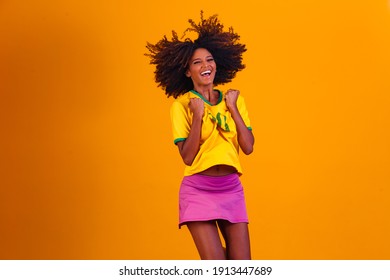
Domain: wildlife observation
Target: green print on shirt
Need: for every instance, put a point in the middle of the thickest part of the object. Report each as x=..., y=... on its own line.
x=220, y=122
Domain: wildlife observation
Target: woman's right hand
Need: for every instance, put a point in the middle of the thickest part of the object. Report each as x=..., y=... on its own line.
x=189, y=147
x=196, y=106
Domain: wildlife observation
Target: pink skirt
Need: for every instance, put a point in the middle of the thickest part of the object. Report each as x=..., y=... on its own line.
x=205, y=198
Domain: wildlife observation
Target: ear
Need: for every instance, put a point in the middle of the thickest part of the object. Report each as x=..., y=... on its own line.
x=188, y=74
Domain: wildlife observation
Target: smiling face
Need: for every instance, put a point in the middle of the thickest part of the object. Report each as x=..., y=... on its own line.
x=201, y=68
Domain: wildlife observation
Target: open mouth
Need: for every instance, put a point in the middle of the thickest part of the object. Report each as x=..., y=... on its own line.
x=206, y=73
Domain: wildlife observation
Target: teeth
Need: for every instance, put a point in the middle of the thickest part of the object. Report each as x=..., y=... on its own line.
x=207, y=72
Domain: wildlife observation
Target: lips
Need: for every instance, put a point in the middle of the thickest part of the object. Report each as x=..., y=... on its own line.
x=206, y=73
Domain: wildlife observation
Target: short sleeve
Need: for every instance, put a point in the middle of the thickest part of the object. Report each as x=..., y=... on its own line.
x=243, y=111
x=180, y=122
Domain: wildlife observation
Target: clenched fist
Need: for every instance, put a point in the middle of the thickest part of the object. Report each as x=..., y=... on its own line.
x=231, y=97
x=196, y=106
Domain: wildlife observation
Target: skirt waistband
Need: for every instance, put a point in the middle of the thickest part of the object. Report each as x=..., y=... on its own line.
x=213, y=183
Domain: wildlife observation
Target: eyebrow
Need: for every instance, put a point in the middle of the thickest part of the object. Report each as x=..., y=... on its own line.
x=198, y=58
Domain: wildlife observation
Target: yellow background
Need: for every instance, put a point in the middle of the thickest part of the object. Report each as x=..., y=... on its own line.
x=88, y=168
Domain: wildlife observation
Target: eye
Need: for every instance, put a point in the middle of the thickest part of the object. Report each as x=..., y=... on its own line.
x=210, y=59
x=196, y=62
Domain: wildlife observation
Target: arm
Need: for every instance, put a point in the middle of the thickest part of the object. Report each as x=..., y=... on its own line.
x=189, y=148
x=245, y=136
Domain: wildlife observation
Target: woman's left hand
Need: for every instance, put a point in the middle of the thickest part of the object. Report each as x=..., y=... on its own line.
x=231, y=97
x=244, y=135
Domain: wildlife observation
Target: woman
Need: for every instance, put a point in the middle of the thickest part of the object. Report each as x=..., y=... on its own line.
x=209, y=128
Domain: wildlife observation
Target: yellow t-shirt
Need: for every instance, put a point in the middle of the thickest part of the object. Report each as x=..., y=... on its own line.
x=218, y=144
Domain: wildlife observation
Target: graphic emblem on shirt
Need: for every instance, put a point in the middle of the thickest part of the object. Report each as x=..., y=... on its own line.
x=220, y=120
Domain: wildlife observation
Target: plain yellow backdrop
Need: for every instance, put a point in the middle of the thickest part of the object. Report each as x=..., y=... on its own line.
x=88, y=168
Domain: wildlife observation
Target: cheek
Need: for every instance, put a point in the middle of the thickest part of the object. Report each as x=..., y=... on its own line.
x=190, y=70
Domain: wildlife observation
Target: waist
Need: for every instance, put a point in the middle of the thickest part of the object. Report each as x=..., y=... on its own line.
x=218, y=170
x=230, y=182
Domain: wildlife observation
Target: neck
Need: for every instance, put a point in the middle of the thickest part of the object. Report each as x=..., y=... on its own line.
x=205, y=91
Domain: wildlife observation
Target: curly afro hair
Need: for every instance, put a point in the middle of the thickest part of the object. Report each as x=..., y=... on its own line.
x=172, y=57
